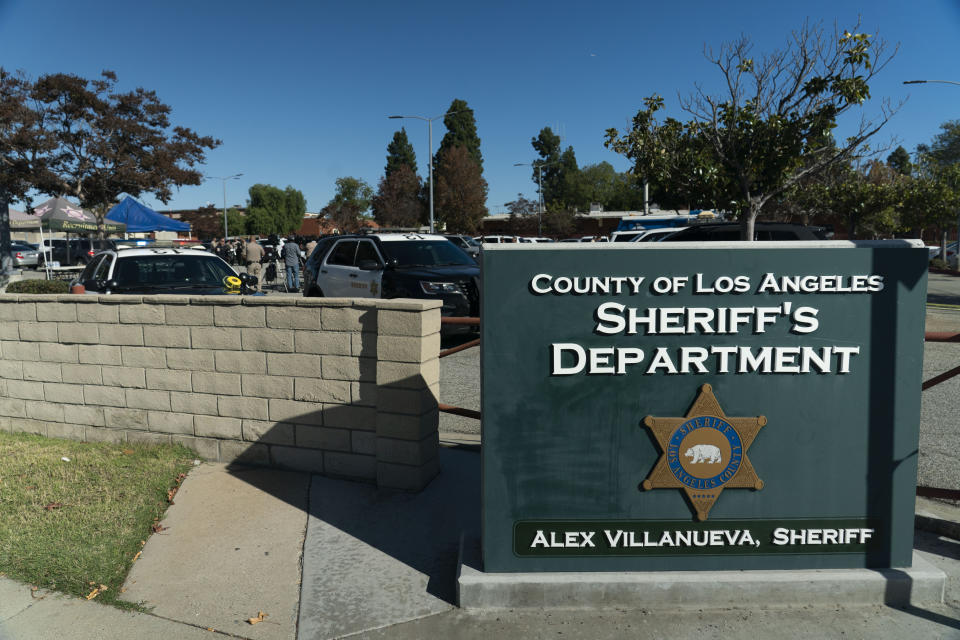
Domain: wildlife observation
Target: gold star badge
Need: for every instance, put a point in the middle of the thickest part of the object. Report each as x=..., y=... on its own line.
x=704, y=452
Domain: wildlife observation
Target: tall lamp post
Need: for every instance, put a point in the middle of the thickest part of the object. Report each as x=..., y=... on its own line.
x=926, y=81
x=539, y=167
x=429, y=122
x=958, y=213
x=224, y=181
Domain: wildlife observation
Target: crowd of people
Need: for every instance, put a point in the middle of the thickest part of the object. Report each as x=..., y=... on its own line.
x=260, y=256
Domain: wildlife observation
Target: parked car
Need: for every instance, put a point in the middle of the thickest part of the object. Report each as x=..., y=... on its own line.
x=655, y=235
x=469, y=246
x=24, y=255
x=394, y=265
x=730, y=231
x=951, y=253
x=81, y=250
x=161, y=270
x=495, y=239
x=626, y=236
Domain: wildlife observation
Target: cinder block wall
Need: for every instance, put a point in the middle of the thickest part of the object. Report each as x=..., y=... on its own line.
x=335, y=386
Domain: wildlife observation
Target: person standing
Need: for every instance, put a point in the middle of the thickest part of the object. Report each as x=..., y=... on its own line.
x=252, y=255
x=311, y=246
x=291, y=260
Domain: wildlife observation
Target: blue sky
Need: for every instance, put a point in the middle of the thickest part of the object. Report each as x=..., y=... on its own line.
x=299, y=93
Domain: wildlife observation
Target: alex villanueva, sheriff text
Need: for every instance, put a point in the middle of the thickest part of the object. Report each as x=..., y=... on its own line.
x=634, y=538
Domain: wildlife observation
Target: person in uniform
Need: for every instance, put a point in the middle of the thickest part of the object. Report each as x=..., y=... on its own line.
x=252, y=255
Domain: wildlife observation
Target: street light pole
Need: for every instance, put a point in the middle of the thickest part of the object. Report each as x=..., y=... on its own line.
x=224, y=179
x=539, y=166
x=429, y=122
x=958, y=213
x=926, y=81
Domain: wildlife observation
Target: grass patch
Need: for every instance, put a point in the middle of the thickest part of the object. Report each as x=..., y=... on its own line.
x=73, y=526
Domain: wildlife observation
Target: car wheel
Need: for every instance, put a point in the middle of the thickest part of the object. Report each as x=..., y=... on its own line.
x=313, y=292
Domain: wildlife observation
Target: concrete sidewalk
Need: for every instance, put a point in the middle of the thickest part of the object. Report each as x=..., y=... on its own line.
x=381, y=564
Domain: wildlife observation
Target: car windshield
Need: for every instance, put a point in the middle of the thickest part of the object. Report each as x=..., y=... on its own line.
x=171, y=270
x=425, y=253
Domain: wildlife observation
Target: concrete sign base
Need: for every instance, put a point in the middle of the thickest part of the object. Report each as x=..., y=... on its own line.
x=923, y=583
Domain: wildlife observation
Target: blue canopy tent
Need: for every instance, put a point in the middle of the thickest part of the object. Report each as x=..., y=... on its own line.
x=140, y=219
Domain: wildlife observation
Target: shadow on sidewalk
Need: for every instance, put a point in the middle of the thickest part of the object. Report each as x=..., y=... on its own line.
x=357, y=528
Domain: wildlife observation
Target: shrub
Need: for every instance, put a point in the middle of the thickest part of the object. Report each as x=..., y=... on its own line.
x=39, y=286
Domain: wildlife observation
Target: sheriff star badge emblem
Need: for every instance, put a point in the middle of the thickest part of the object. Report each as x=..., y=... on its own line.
x=704, y=452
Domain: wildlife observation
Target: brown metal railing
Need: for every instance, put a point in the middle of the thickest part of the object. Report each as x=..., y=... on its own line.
x=449, y=408
x=941, y=336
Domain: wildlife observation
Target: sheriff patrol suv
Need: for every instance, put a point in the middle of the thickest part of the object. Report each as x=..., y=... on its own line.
x=145, y=271
x=395, y=265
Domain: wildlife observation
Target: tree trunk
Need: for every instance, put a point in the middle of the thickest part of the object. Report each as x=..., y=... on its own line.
x=748, y=223
x=6, y=259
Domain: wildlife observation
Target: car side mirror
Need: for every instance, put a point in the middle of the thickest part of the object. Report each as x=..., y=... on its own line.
x=109, y=285
x=368, y=265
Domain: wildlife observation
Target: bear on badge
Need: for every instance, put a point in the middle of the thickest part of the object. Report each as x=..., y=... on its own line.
x=703, y=453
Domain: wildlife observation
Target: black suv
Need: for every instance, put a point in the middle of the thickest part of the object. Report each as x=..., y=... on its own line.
x=394, y=265
x=81, y=250
x=730, y=231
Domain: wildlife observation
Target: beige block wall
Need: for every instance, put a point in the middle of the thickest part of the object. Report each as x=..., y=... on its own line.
x=340, y=387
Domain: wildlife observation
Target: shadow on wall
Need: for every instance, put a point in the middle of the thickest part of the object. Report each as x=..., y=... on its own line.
x=342, y=443
x=367, y=419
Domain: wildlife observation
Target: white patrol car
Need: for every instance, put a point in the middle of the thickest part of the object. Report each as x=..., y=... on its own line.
x=154, y=270
x=394, y=265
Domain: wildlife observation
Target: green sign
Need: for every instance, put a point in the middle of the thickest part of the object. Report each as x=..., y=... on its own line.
x=681, y=407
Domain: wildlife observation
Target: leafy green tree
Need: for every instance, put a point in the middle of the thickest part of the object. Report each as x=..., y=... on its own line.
x=106, y=143
x=205, y=222
x=272, y=210
x=460, y=193
x=945, y=148
x=236, y=222
x=400, y=153
x=939, y=168
x=932, y=198
x=899, y=160
x=573, y=193
x=398, y=203
x=677, y=160
x=867, y=201
x=350, y=202
x=559, y=221
x=523, y=215
x=461, y=132
x=24, y=150
x=26, y=140
x=766, y=133
x=547, y=146
x=600, y=183
x=562, y=184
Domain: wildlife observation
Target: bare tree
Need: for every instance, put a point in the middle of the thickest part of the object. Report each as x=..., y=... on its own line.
x=772, y=125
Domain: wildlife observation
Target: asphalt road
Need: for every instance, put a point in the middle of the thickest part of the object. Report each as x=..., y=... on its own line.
x=939, y=455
